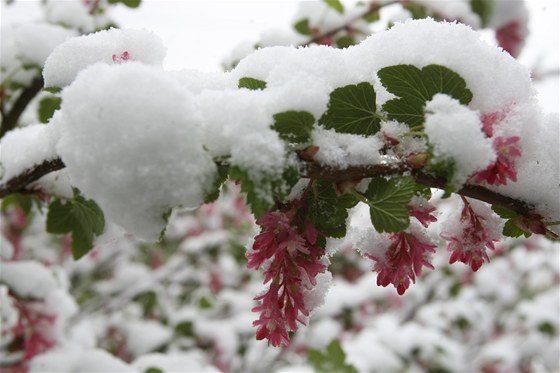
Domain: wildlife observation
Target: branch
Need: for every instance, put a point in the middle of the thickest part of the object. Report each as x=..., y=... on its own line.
x=18, y=184
x=313, y=170
x=10, y=119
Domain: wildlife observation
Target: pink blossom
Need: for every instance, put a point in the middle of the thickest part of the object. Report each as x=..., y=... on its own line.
x=403, y=260
x=510, y=37
x=497, y=173
x=291, y=262
x=477, y=233
x=124, y=56
x=422, y=211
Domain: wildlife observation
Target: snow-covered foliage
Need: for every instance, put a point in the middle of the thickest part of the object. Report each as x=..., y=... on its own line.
x=297, y=161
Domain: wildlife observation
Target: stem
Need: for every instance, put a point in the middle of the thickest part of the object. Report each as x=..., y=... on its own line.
x=10, y=119
x=20, y=183
x=551, y=223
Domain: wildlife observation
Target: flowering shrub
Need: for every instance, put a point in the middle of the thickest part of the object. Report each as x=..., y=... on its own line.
x=332, y=150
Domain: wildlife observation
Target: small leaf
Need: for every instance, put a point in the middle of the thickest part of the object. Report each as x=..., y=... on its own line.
x=333, y=360
x=219, y=179
x=327, y=210
x=512, y=230
x=259, y=205
x=128, y=3
x=251, y=83
x=388, y=202
x=23, y=201
x=503, y=212
x=302, y=27
x=345, y=41
x=47, y=106
x=294, y=126
x=352, y=109
x=484, y=9
x=415, y=87
x=81, y=217
x=336, y=5
x=416, y=10
x=371, y=17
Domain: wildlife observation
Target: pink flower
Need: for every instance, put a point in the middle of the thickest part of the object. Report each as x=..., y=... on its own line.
x=477, y=231
x=124, y=56
x=422, y=211
x=403, y=260
x=497, y=173
x=291, y=261
x=510, y=37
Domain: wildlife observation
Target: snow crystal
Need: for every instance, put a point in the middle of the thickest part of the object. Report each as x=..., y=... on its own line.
x=455, y=131
x=344, y=150
x=28, y=278
x=22, y=148
x=74, y=55
x=136, y=164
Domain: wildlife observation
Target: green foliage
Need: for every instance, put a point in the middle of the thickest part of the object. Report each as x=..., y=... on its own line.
x=416, y=10
x=153, y=370
x=251, y=83
x=294, y=126
x=445, y=169
x=259, y=205
x=332, y=360
x=510, y=229
x=345, y=41
x=47, y=106
x=327, y=210
x=128, y=3
x=415, y=87
x=388, y=201
x=302, y=27
x=219, y=179
x=81, y=217
x=185, y=329
x=484, y=9
x=336, y=5
x=352, y=110
x=23, y=201
x=547, y=328
x=371, y=17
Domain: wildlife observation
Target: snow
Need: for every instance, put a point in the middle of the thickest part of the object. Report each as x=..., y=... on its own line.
x=77, y=360
x=455, y=131
x=345, y=150
x=70, y=14
x=120, y=156
x=28, y=278
x=184, y=362
x=146, y=336
x=25, y=147
x=73, y=56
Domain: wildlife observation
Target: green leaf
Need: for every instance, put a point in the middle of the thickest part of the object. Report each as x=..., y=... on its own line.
x=512, y=230
x=259, y=205
x=416, y=10
x=81, y=217
x=352, y=109
x=47, y=106
x=445, y=169
x=185, y=329
x=302, y=27
x=336, y=5
x=25, y=202
x=128, y=3
x=388, y=201
x=333, y=360
x=484, y=9
x=251, y=83
x=415, y=87
x=503, y=212
x=327, y=210
x=294, y=126
x=153, y=370
x=219, y=179
x=345, y=41
x=371, y=17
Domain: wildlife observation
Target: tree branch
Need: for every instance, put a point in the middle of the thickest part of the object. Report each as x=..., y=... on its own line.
x=19, y=183
x=313, y=170
x=10, y=119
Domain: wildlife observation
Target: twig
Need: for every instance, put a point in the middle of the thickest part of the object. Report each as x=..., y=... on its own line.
x=19, y=183
x=11, y=118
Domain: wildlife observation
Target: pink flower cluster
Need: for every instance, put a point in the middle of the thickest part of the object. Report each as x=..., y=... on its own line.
x=510, y=37
x=123, y=57
x=507, y=149
x=476, y=232
x=287, y=250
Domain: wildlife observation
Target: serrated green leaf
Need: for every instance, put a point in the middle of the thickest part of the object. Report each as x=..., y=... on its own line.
x=484, y=9
x=251, y=83
x=294, y=126
x=352, y=109
x=336, y=5
x=327, y=210
x=80, y=217
x=415, y=87
x=259, y=205
x=47, y=106
x=512, y=230
x=503, y=212
x=302, y=27
x=388, y=201
x=219, y=179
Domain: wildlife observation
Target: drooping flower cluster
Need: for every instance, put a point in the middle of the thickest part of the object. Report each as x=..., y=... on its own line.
x=288, y=252
x=478, y=228
x=507, y=149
